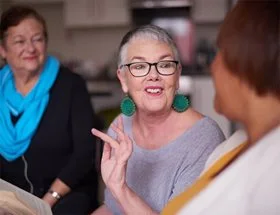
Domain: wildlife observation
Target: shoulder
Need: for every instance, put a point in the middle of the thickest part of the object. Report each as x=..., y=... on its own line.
x=66, y=73
x=266, y=175
x=209, y=129
x=205, y=136
x=126, y=123
x=67, y=80
x=265, y=195
x=203, y=125
x=125, y=119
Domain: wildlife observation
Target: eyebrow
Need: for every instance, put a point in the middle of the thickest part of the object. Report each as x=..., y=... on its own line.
x=15, y=36
x=165, y=56
x=143, y=58
x=19, y=35
x=137, y=58
x=38, y=34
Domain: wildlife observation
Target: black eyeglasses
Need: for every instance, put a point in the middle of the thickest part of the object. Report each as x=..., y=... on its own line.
x=140, y=69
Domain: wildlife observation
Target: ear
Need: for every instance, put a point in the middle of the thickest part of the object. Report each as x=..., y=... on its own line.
x=123, y=80
x=2, y=51
x=179, y=71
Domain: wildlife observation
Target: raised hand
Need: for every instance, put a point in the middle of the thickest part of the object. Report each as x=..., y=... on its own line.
x=115, y=156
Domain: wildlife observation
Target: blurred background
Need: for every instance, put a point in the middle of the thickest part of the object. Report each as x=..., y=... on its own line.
x=84, y=35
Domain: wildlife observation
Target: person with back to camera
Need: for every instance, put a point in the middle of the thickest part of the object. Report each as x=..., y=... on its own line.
x=46, y=146
x=246, y=75
x=158, y=145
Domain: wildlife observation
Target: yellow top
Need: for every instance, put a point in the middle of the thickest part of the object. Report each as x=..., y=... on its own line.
x=178, y=202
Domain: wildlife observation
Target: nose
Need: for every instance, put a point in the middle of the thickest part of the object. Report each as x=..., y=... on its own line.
x=153, y=74
x=30, y=46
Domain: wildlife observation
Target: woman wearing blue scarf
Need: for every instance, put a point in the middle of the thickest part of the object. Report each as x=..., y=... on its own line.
x=46, y=146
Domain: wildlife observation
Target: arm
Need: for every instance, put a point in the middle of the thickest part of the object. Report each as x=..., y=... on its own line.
x=102, y=210
x=60, y=188
x=113, y=168
x=81, y=120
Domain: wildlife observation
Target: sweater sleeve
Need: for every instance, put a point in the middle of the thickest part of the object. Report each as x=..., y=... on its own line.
x=82, y=119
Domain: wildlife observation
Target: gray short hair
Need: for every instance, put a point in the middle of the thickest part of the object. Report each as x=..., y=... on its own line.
x=150, y=32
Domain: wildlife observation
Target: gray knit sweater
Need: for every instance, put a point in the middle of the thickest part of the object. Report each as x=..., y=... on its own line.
x=159, y=175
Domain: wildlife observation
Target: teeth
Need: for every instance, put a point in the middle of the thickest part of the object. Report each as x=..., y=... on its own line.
x=153, y=90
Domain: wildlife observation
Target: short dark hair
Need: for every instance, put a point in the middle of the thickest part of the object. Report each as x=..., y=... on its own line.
x=15, y=14
x=249, y=43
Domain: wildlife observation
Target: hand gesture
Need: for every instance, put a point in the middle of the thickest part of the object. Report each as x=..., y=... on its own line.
x=115, y=156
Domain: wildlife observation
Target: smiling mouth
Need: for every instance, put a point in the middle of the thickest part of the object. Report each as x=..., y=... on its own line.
x=30, y=58
x=154, y=91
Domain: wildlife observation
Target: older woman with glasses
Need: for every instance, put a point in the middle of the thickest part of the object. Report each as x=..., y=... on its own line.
x=158, y=146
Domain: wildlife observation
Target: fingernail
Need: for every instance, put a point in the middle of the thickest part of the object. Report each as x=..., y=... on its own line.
x=93, y=130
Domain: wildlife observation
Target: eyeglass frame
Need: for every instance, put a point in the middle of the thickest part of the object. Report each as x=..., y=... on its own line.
x=150, y=66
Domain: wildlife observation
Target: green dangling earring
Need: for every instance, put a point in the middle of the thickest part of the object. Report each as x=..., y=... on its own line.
x=128, y=106
x=180, y=103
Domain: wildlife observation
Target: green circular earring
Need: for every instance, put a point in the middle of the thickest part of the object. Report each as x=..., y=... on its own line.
x=128, y=106
x=180, y=103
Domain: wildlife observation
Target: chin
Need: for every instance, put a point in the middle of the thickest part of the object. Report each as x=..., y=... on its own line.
x=154, y=110
x=157, y=110
x=155, y=107
x=33, y=68
x=151, y=109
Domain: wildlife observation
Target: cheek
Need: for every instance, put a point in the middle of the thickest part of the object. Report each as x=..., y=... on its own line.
x=171, y=83
x=43, y=48
x=217, y=103
x=218, y=88
x=16, y=54
x=226, y=99
x=12, y=56
x=133, y=85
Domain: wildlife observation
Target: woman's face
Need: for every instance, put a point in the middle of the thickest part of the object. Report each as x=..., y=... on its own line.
x=24, y=46
x=230, y=90
x=152, y=93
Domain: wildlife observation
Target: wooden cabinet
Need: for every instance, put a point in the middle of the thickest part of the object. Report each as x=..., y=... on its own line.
x=96, y=13
x=36, y=1
x=209, y=11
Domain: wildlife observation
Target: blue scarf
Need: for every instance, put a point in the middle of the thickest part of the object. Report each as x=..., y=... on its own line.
x=15, y=139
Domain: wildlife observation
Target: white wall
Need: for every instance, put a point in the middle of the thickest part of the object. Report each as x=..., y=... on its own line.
x=203, y=101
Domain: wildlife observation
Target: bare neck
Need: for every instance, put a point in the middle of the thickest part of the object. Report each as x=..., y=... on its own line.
x=150, y=124
x=25, y=82
x=261, y=117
